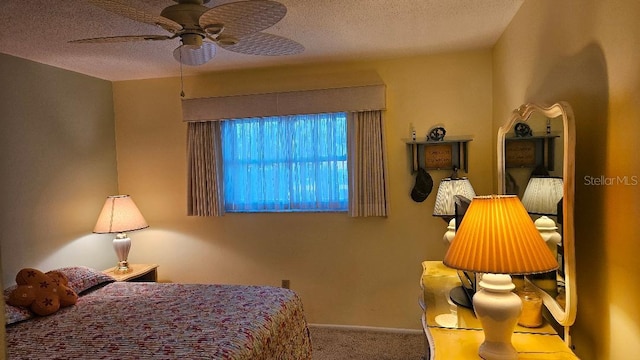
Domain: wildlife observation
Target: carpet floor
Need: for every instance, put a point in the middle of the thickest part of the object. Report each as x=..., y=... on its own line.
x=331, y=343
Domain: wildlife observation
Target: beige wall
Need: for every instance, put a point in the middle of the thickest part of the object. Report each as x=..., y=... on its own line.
x=58, y=165
x=586, y=52
x=347, y=271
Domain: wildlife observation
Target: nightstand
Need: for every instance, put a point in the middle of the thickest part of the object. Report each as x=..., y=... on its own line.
x=139, y=272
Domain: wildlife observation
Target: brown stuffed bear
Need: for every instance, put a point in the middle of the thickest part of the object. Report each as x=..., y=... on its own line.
x=43, y=293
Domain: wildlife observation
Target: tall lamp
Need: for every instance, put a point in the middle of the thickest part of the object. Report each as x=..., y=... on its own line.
x=120, y=215
x=498, y=238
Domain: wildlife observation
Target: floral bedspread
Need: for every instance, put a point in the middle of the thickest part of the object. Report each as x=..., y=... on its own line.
x=169, y=321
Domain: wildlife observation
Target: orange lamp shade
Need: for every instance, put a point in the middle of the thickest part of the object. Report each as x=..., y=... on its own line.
x=498, y=236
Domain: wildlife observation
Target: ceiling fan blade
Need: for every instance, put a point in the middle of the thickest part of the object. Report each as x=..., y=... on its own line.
x=244, y=17
x=265, y=44
x=114, y=39
x=132, y=13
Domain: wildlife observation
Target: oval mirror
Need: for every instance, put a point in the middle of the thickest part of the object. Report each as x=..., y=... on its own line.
x=536, y=161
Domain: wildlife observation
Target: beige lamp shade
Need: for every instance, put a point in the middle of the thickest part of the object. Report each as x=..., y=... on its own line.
x=119, y=214
x=449, y=187
x=542, y=195
x=498, y=236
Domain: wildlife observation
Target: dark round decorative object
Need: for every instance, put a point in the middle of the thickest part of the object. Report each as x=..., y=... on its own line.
x=423, y=186
x=437, y=134
x=523, y=130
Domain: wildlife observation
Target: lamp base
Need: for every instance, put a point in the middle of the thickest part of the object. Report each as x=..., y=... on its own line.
x=498, y=310
x=122, y=268
x=122, y=245
x=497, y=351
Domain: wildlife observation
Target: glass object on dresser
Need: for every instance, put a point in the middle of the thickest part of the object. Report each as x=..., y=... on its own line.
x=546, y=152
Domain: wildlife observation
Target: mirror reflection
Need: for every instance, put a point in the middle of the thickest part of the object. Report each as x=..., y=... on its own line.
x=533, y=171
x=536, y=161
x=539, y=154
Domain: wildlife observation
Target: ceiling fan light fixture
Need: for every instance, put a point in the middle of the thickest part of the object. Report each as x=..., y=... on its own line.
x=194, y=55
x=191, y=39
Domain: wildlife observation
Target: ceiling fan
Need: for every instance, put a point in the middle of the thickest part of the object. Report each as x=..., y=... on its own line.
x=234, y=26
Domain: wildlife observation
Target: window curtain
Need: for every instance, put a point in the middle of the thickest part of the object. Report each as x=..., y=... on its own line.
x=367, y=166
x=204, y=151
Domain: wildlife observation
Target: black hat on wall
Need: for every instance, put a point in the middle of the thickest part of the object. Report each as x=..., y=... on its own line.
x=422, y=187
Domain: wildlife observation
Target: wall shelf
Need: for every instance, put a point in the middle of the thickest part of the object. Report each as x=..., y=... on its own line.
x=439, y=155
x=530, y=151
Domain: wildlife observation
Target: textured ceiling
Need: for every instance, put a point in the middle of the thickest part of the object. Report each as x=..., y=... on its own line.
x=330, y=30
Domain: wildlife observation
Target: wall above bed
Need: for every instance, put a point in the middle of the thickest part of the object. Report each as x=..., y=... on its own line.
x=58, y=142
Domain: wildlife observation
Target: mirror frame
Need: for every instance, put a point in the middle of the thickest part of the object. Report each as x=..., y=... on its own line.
x=564, y=316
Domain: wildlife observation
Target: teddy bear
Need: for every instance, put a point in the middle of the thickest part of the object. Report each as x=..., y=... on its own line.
x=42, y=293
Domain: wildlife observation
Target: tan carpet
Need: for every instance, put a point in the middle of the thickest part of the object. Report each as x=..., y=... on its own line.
x=331, y=343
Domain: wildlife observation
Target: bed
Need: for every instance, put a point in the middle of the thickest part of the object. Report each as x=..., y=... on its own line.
x=126, y=320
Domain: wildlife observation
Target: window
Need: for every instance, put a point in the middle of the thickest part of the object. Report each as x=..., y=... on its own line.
x=285, y=163
x=316, y=171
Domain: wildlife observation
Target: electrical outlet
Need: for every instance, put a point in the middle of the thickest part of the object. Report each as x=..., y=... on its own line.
x=285, y=284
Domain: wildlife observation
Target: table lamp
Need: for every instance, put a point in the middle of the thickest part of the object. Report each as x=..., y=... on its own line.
x=118, y=216
x=498, y=238
x=449, y=187
x=542, y=194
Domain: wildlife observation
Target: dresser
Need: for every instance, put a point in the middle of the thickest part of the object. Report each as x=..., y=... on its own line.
x=453, y=332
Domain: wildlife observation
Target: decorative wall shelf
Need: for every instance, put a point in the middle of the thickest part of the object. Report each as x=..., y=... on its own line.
x=530, y=151
x=439, y=155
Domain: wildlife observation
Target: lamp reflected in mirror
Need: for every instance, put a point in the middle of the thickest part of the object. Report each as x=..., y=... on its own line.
x=541, y=197
x=542, y=194
x=549, y=232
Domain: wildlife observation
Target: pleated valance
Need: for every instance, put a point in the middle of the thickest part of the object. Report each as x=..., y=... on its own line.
x=357, y=98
